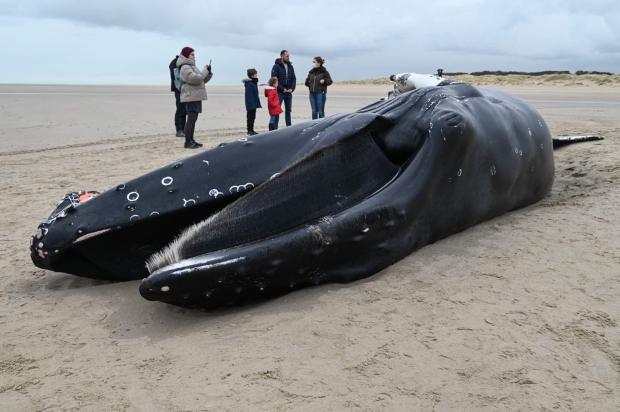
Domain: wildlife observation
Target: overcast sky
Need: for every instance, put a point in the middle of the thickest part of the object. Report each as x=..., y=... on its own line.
x=133, y=41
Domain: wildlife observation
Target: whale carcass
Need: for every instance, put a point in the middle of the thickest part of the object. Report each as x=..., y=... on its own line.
x=331, y=200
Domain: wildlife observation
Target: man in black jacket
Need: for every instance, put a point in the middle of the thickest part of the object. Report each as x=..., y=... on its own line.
x=181, y=115
x=284, y=71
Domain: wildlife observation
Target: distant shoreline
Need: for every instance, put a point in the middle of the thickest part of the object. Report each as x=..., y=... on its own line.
x=563, y=79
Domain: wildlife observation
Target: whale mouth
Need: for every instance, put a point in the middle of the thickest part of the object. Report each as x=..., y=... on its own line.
x=323, y=183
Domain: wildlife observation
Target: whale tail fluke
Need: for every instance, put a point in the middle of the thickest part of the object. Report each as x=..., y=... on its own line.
x=566, y=140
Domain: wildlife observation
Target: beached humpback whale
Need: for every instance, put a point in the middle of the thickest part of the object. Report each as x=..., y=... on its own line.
x=330, y=200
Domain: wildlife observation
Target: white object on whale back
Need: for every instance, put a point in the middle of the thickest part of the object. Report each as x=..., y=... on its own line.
x=411, y=81
x=405, y=82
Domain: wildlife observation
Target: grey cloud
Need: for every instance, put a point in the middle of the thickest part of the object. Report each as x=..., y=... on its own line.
x=555, y=29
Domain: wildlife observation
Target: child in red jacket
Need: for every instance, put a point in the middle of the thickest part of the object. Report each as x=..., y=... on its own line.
x=273, y=102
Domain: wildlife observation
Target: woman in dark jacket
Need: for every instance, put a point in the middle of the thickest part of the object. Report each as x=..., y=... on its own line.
x=317, y=81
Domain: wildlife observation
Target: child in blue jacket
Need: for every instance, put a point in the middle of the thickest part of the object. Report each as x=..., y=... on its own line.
x=251, y=99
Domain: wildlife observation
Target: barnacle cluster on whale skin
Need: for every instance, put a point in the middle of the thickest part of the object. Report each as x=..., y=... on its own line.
x=64, y=206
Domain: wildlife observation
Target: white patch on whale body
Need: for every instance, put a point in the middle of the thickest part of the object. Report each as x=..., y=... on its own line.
x=215, y=193
x=185, y=202
x=207, y=266
x=239, y=188
x=133, y=196
x=167, y=181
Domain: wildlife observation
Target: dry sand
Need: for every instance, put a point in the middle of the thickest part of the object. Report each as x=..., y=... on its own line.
x=518, y=313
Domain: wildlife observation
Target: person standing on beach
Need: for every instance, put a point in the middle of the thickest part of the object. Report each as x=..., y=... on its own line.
x=273, y=102
x=252, y=102
x=180, y=115
x=317, y=81
x=285, y=73
x=193, y=91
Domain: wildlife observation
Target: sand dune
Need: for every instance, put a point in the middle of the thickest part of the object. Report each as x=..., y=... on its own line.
x=518, y=313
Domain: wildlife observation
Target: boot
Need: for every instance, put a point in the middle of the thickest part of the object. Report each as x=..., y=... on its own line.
x=180, y=133
x=272, y=127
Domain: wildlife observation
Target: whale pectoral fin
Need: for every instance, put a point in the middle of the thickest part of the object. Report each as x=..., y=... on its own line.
x=322, y=183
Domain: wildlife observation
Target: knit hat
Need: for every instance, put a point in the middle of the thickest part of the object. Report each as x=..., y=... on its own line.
x=187, y=51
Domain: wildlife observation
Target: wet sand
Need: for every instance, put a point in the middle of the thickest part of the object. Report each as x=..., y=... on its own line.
x=518, y=313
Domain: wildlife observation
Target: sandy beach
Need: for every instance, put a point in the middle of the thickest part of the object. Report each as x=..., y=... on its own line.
x=519, y=313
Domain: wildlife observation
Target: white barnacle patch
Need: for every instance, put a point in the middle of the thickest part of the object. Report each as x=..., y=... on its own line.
x=430, y=128
x=529, y=131
x=188, y=201
x=206, y=161
x=215, y=193
x=133, y=196
x=493, y=171
x=365, y=230
x=539, y=123
x=134, y=217
x=167, y=181
x=516, y=150
x=40, y=245
x=165, y=288
x=275, y=175
x=541, y=146
x=154, y=213
x=243, y=139
x=240, y=188
x=459, y=173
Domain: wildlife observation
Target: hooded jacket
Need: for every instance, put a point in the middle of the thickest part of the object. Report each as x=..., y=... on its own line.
x=284, y=81
x=252, y=102
x=194, y=80
x=273, y=101
x=313, y=81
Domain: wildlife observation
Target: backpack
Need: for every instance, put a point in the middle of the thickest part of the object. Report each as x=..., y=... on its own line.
x=178, y=83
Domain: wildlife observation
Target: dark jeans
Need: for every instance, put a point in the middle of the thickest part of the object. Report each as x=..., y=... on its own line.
x=287, y=98
x=274, y=119
x=317, y=102
x=190, y=126
x=251, y=118
x=180, y=114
